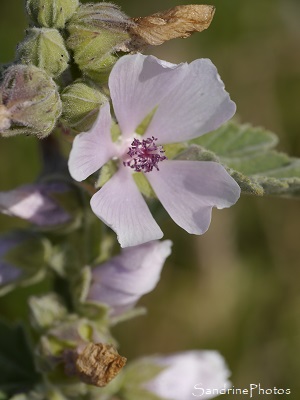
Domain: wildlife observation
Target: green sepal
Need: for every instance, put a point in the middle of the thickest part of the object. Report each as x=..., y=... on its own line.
x=135, y=375
x=144, y=186
x=30, y=255
x=115, y=131
x=99, y=71
x=106, y=172
x=173, y=149
x=81, y=103
x=70, y=333
x=125, y=316
x=142, y=127
x=44, y=48
x=46, y=310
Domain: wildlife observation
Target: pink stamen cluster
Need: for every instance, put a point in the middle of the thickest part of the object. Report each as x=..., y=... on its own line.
x=145, y=155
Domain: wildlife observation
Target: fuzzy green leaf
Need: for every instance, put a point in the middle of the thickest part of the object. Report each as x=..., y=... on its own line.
x=248, y=155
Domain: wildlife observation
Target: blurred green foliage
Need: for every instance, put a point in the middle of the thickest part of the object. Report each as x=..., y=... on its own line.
x=237, y=288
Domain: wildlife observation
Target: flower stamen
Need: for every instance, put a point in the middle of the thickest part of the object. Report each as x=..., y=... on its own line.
x=144, y=155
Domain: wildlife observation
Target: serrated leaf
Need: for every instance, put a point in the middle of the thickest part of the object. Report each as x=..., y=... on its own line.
x=261, y=163
x=17, y=371
x=234, y=140
x=247, y=154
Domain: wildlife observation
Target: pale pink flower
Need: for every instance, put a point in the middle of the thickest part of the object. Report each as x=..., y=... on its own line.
x=123, y=280
x=35, y=203
x=189, y=375
x=189, y=100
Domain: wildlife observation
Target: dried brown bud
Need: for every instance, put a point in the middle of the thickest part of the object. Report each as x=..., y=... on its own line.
x=177, y=22
x=97, y=364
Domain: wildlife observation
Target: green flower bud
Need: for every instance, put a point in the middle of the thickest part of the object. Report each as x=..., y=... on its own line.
x=99, y=71
x=44, y=48
x=81, y=103
x=29, y=102
x=97, y=31
x=51, y=13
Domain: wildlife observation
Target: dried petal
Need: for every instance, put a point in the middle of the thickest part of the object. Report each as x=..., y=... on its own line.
x=177, y=22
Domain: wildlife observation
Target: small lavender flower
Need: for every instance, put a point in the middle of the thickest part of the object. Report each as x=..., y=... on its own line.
x=35, y=203
x=189, y=100
x=121, y=281
x=189, y=375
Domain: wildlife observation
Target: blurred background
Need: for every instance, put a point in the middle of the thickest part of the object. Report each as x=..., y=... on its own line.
x=237, y=288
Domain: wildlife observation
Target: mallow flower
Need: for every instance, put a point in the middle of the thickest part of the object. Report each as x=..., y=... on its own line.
x=186, y=375
x=187, y=100
x=123, y=279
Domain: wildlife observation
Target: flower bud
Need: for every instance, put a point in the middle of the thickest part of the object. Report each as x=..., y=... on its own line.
x=23, y=257
x=96, y=31
x=48, y=205
x=180, y=376
x=29, y=102
x=51, y=14
x=81, y=103
x=44, y=48
x=121, y=281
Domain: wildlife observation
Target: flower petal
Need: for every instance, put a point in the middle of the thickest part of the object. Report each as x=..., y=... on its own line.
x=136, y=270
x=122, y=280
x=189, y=375
x=137, y=85
x=189, y=189
x=120, y=205
x=92, y=149
x=114, y=298
x=197, y=105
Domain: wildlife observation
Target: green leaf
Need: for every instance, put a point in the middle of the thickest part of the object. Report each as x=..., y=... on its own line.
x=17, y=370
x=236, y=140
x=248, y=155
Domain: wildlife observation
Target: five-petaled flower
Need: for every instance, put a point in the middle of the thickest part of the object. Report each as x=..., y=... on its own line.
x=189, y=100
x=188, y=375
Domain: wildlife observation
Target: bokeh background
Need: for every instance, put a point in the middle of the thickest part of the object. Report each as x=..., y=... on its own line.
x=237, y=288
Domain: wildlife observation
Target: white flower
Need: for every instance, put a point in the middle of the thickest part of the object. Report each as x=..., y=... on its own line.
x=189, y=100
x=190, y=375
